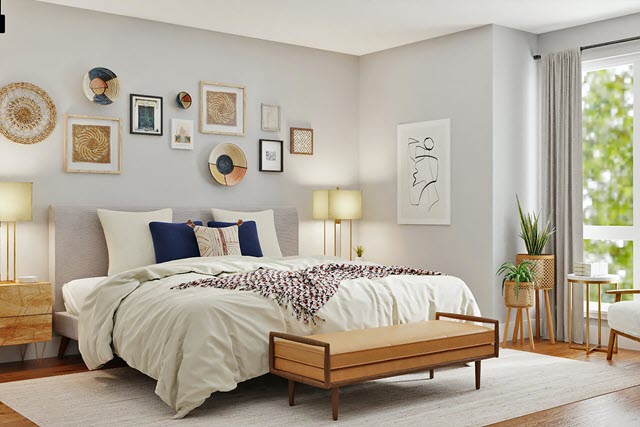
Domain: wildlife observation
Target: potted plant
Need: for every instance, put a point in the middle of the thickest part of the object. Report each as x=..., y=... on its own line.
x=518, y=284
x=535, y=237
x=359, y=252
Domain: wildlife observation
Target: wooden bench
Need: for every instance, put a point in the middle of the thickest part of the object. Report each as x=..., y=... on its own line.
x=333, y=360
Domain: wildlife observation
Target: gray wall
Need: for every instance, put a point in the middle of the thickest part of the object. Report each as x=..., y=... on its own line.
x=446, y=77
x=516, y=156
x=597, y=32
x=54, y=46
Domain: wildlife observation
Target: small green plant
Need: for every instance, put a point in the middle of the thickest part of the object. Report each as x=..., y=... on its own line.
x=359, y=250
x=535, y=238
x=520, y=274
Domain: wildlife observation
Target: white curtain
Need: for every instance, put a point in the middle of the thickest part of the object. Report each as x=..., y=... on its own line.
x=562, y=179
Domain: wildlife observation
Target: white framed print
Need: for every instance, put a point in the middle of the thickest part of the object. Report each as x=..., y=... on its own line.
x=182, y=132
x=271, y=155
x=270, y=118
x=92, y=144
x=146, y=115
x=424, y=173
x=222, y=108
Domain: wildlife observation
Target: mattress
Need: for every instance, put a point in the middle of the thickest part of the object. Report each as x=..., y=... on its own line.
x=75, y=293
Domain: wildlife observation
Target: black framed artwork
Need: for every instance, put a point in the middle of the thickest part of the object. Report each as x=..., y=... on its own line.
x=146, y=115
x=271, y=155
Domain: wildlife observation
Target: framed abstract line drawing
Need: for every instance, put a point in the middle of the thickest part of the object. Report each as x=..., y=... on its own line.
x=146, y=115
x=182, y=134
x=424, y=173
x=271, y=155
x=222, y=108
x=92, y=144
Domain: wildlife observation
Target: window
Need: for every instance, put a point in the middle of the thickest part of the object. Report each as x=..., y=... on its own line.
x=610, y=144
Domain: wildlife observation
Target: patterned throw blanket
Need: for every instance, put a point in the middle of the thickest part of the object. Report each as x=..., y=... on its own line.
x=307, y=290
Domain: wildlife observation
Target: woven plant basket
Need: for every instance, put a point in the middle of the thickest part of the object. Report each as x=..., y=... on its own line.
x=544, y=269
x=526, y=295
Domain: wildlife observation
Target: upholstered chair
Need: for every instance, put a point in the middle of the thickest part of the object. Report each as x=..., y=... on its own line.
x=624, y=318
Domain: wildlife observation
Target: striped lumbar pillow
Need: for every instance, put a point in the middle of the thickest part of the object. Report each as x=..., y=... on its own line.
x=217, y=241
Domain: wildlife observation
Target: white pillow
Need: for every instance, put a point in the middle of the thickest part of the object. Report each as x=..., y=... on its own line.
x=128, y=237
x=265, y=224
x=75, y=293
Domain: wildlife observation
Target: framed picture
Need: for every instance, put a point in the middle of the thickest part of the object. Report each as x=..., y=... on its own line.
x=92, y=144
x=301, y=141
x=270, y=118
x=182, y=134
x=424, y=173
x=271, y=155
x=222, y=108
x=146, y=115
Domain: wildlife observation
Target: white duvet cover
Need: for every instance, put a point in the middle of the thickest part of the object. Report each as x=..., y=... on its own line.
x=197, y=341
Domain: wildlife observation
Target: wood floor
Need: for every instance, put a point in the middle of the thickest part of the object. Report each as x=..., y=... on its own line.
x=620, y=408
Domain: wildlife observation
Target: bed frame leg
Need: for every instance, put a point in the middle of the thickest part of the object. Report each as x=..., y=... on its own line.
x=64, y=342
x=292, y=391
x=431, y=372
x=478, y=374
x=334, y=402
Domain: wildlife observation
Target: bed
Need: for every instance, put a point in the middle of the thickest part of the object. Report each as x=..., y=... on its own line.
x=195, y=342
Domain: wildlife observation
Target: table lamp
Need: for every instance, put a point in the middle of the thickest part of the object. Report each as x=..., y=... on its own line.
x=321, y=211
x=15, y=205
x=345, y=204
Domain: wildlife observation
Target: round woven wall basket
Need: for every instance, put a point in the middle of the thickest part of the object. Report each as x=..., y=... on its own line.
x=544, y=269
x=526, y=295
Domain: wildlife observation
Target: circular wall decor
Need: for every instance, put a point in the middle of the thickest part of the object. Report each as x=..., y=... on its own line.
x=27, y=113
x=227, y=164
x=101, y=86
x=184, y=100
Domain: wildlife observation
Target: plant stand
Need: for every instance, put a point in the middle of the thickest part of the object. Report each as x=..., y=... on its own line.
x=519, y=327
x=545, y=272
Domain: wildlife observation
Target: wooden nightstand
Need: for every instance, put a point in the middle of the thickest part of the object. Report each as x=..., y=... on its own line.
x=25, y=315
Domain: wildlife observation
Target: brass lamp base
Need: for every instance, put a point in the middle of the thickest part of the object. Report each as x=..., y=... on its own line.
x=7, y=276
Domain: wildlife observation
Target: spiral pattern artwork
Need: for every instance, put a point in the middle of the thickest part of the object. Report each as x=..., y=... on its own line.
x=27, y=113
x=221, y=108
x=91, y=144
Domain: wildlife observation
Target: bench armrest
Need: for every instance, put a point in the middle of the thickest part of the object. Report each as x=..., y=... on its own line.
x=496, y=326
x=619, y=292
x=302, y=340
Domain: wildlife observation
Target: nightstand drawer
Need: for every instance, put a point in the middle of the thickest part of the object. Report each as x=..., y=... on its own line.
x=25, y=329
x=25, y=299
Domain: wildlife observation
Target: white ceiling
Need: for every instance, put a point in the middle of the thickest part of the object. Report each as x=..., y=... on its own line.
x=359, y=27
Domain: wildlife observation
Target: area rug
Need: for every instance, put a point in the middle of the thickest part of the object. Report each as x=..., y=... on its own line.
x=516, y=384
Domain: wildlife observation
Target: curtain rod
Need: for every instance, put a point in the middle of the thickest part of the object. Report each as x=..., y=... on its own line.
x=593, y=46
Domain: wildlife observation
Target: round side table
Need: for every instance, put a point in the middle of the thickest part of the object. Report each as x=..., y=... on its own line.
x=572, y=279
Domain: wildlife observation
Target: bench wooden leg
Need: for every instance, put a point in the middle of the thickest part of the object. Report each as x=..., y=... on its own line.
x=64, y=342
x=612, y=341
x=431, y=374
x=292, y=391
x=334, y=403
x=478, y=374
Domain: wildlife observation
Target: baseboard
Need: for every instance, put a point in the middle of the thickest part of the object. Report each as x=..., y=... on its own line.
x=622, y=342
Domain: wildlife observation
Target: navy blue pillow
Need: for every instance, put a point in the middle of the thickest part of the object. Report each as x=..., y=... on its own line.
x=248, y=235
x=173, y=241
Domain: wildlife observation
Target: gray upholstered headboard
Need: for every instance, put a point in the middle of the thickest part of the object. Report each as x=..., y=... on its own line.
x=77, y=247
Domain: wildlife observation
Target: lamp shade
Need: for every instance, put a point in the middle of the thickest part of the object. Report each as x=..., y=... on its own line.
x=15, y=201
x=345, y=204
x=321, y=204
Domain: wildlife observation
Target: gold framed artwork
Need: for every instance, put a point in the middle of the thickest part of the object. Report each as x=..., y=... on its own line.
x=301, y=141
x=92, y=144
x=222, y=108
